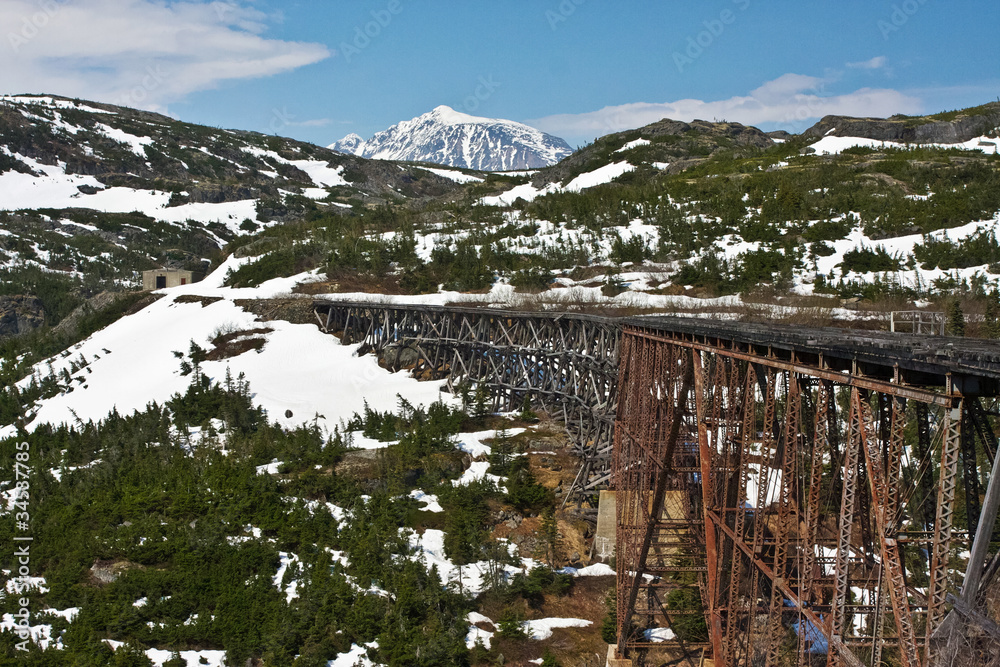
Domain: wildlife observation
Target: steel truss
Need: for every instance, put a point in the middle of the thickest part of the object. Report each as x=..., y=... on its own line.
x=772, y=512
x=784, y=496
x=566, y=365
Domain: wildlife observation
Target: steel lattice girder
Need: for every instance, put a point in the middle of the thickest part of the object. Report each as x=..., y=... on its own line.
x=775, y=509
x=738, y=479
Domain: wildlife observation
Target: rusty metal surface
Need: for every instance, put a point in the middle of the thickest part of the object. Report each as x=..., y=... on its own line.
x=797, y=489
x=812, y=550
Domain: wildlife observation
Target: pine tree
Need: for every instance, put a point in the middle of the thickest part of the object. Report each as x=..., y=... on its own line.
x=549, y=659
x=527, y=414
x=501, y=454
x=609, y=626
x=480, y=406
x=956, y=319
x=550, y=540
x=991, y=316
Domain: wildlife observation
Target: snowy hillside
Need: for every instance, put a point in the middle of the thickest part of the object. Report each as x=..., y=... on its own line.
x=256, y=518
x=310, y=386
x=835, y=144
x=448, y=137
x=92, y=194
x=59, y=153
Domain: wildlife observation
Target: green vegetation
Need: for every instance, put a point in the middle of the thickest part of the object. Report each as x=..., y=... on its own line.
x=866, y=260
x=148, y=507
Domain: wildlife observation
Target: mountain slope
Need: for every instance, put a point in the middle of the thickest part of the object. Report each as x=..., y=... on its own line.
x=448, y=137
x=53, y=149
x=974, y=129
x=92, y=194
x=950, y=127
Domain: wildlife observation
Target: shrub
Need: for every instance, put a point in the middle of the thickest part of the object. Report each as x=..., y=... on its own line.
x=866, y=260
x=687, y=627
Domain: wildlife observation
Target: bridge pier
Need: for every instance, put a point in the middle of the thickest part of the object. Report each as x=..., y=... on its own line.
x=614, y=661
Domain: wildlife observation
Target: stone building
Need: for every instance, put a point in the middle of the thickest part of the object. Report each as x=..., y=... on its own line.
x=161, y=278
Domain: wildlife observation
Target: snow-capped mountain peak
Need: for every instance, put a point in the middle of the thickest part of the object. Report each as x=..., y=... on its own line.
x=445, y=114
x=352, y=144
x=457, y=139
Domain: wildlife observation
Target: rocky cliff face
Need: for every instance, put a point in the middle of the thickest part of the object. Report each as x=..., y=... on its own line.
x=20, y=315
x=673, y=144
x=947, y=128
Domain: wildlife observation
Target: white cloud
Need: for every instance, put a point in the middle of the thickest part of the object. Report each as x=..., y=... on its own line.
x=878, y=62
x=788, y=101
x=142, y=53
x=316, y=122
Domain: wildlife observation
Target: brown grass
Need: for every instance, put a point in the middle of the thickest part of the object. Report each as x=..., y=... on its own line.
x=194, y=298
x=353, y=282
x=571, y=646
x=235, y=343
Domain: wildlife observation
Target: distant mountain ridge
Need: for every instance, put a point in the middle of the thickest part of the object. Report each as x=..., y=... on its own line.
x=448, y=137
x=949, y=127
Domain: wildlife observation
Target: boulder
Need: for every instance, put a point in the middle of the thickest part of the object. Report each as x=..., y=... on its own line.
x=20, y=315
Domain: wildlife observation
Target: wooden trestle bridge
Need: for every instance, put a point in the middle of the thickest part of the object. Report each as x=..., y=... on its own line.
x=785, y=496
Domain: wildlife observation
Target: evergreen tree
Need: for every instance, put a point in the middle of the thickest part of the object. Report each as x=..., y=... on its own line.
x=550, y=543
x=481, y=402
x=527, y=414
x=991, y=316
x=465, y=525
x=549, y=659
x=609, y=626
x=501, y=453
x=511, y=624
x=956, y=319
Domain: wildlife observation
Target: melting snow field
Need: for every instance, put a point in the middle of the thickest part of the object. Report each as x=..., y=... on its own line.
x=528, y=192
x=539, y=629
x=356, y=657
x=831, y=145
x=300, y=369
x=429, y=549
x=456, y=176
x=54, y=188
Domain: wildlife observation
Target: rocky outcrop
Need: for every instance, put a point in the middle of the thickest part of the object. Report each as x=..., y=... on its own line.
x=294, y=310
x=20, y=315
x=676, y=143
x=952, y=129
x=69, y=325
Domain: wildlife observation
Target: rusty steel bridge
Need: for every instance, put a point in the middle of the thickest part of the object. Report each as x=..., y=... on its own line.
x=784, y=496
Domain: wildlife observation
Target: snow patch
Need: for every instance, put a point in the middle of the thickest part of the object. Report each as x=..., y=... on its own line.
x=634, y=144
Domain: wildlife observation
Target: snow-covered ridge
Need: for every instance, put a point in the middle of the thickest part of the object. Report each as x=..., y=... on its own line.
x=831, y=145
x=590, y=179
x=449, y=137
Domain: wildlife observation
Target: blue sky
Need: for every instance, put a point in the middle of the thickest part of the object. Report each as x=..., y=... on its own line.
x=318, y=70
